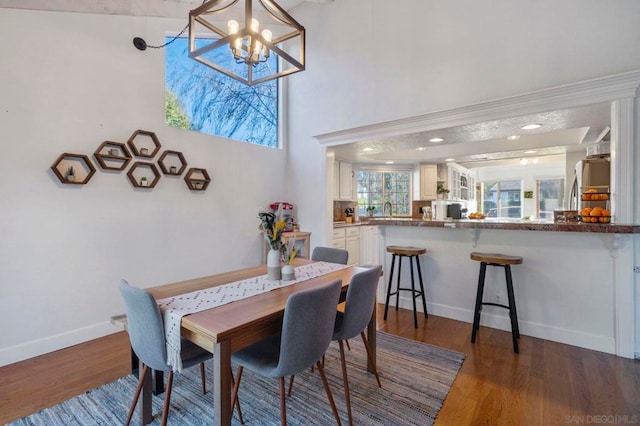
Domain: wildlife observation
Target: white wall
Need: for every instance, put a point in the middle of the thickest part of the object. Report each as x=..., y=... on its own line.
x=559, y=296
x=67, y=83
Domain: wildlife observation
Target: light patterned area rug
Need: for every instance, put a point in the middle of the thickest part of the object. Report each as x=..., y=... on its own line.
x=415, y=377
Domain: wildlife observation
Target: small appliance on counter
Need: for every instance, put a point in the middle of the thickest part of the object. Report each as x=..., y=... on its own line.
x=454, y=211
x=442, y=209
x=288, y=213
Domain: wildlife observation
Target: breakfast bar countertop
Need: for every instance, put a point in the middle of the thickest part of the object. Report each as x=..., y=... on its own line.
x=509, y=224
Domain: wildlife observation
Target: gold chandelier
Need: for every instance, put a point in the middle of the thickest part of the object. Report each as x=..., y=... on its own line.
x=250, y=45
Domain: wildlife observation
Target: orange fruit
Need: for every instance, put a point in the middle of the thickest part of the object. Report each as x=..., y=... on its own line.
x=604, y=219
x=606, y=212
x=586, y=211
x=596, y=212
x=591, y=190
x=604, y=196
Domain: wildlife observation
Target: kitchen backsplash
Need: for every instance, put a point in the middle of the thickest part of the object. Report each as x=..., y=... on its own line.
x=340, y=206
x=415, y=208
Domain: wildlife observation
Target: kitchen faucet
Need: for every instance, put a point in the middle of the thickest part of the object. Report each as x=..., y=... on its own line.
x=384, y=207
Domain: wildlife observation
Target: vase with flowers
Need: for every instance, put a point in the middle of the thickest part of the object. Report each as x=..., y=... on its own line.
x=272, y=225
x=290, y=252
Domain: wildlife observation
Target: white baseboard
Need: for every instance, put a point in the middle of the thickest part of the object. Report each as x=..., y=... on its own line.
x=527, y=328
x=48, y=344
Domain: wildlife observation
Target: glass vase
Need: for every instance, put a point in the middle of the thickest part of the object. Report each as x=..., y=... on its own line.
x=274, y=271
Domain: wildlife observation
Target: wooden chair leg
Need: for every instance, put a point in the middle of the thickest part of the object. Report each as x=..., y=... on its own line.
x=167, y=399
x=204, y=380
x=328, y=391
x=234, y=396
x=346, y=382
x=290, y=385
x=283, y=406
x=347, y=342
x=237, y=404
x=136, y=396
x=373, y=361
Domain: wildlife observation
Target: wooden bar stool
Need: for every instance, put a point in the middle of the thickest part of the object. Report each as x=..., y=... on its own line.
x=412, y=253
x=504, y=261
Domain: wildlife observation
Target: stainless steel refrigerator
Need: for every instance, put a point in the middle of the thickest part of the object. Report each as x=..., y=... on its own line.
x=594, y=172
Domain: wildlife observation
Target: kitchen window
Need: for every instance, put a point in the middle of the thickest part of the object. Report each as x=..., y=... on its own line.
x=378, y=187
x=550, y=195
x=502, y=198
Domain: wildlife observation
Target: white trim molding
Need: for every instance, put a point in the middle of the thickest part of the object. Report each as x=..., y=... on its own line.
x=572, y=95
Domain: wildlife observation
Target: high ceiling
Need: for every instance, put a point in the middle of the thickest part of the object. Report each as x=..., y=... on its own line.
x=471, y=145
x=160, y=8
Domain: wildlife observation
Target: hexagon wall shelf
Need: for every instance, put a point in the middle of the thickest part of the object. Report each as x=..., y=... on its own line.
x=141, y=149
x=112, y=155
x=197, y=179
x=136, y=178
x=82, y=167
x=169, y=161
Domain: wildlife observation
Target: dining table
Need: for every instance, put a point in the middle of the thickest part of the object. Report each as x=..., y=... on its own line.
x=225, y=329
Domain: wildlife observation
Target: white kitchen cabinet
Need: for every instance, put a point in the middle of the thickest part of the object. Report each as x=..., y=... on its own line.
x=428, y=181
x=369, y=245
x=346, y=181
x=339, y=240
x=336, y=180
x=352, y=241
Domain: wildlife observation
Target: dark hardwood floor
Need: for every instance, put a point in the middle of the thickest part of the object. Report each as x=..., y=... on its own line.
x=546, y=384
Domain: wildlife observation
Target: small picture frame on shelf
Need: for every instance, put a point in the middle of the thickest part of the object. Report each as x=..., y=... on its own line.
x=114, y=152
x=144, y=151
x=173, y=170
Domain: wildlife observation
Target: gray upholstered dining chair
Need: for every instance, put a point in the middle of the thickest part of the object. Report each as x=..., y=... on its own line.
x=358, y=309
x=146, y=334
x=330, y=254
x=307, y=326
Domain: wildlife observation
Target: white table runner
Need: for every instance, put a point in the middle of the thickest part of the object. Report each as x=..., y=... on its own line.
x=174, y=308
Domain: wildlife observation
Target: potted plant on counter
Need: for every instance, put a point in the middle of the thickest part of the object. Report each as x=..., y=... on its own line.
x=442, y=191
x=371, y=210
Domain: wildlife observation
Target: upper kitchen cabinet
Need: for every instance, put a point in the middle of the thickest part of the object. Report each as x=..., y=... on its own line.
x=343, y=181
x=458, y=180
x=428, y=181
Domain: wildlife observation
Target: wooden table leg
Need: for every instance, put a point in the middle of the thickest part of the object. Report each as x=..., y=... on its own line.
x=371, y=337
x=146, y=414
x=222, y=383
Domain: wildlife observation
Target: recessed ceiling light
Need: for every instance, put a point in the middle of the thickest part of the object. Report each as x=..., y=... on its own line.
x=531, y=126
x=388, y=162
x=513, y=137
x=535, y=161
x=421, y=148
x=531, y=151
x=436, y=140
x=449, y=159
x=523, y=161
x=367, y=149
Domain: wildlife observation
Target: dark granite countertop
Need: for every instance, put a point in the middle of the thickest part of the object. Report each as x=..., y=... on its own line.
x=509, y=224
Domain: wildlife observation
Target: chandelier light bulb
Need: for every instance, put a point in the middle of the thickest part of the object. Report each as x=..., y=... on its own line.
x=233, y=26
x=267, y=35
x=255, y=25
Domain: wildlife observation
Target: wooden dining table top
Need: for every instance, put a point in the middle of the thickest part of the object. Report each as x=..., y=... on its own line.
x=247, y=320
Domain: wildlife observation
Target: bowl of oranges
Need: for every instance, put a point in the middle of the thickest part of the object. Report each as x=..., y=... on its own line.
x=595, y=215
x=476, y=215
x=592, y=194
